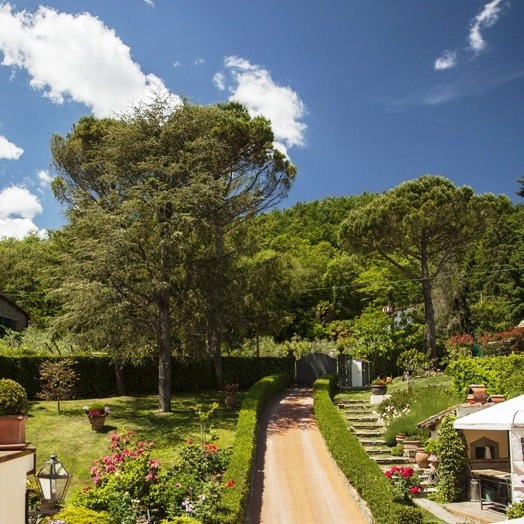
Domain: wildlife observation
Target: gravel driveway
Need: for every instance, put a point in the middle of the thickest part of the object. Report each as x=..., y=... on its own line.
x=295, y=479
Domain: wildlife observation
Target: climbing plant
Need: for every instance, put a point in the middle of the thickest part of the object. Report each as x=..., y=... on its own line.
x=453, y=461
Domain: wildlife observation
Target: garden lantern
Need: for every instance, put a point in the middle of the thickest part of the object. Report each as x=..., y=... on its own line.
x=53, y=480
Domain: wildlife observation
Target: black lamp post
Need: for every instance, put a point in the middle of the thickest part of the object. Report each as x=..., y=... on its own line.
x=53, y=480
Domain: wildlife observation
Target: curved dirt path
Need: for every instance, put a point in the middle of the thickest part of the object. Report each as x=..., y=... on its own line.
x=295, y=479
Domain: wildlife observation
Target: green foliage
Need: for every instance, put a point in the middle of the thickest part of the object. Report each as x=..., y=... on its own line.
x=133, y=487
x=502, y=374
x=405, y=482
x=422, y=403
x=515, y=510
x=13, y=398
x=234, y=500
x=415, y=363
x=180, y=520
x=452, y=452
x=363, y=473
x=204, y=415
x=57, y=379
x=96, y=373
x=81, y=516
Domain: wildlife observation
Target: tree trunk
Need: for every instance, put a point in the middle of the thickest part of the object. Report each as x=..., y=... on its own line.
x=120, y=378
x=164, y=354
x=214, y=338
x=258, y=343
x=431, y=332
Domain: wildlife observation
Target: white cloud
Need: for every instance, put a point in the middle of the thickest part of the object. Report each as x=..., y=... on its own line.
x=44, y=178
x=9, y=150
x=446, y=61
x=177, y=64
x=18, y=207
x=486, y=18
x=150, y=3
x=74, y=57
x=219, y=80
x=254, y=87
x=200, y=61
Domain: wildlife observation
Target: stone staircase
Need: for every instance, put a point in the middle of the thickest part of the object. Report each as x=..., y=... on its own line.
x=367, y=426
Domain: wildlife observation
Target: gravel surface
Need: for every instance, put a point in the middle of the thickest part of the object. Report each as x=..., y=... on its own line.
x=295, y=479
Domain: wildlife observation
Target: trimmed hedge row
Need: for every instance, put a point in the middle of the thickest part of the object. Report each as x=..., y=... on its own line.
x=96, y=374
x=234, y=500
x=363, y=473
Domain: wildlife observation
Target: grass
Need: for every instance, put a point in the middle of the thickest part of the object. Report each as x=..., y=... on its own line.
x=70, y=436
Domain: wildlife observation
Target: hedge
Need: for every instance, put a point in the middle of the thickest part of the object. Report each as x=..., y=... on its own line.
x=234, y=500
x=96, y=374
x=502, y=374
x=363, y=473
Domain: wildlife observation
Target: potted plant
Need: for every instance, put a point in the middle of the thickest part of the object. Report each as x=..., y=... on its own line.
x=230, y=391
x=96, y=413
x=431, y=449
x=13, y=409
x=379, y=386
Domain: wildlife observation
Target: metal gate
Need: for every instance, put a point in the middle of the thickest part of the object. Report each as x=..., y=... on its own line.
x=312, y=366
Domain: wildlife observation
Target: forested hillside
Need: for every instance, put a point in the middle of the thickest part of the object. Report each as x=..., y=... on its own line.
x=170, y=238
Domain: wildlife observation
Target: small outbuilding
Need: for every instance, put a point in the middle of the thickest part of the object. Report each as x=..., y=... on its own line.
x=495, y=438
x=12, y=316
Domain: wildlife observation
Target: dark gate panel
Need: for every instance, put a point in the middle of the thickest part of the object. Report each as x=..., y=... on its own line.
x=314, y=365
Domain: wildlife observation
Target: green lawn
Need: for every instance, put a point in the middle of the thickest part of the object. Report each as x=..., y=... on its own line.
x=70, y=436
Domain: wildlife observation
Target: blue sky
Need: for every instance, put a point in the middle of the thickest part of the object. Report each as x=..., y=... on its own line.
x=362, y=94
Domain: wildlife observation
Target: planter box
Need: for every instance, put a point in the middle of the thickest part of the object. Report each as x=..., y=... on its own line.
x=378, y=389
x=12, y=432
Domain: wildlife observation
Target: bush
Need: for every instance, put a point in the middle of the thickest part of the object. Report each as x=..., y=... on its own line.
x=423, y=403
x=80, y=516
x=363, y=473
x=180, y=520
x=452, y=452
x=13, y=398
x=502, y=374
x=515, y=510
x=234, y=500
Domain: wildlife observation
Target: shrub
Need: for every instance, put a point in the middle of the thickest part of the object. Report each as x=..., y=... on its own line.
x=13, y=398
x=132, y=487
x=451, y=449
x=181, y=520
x=234, y=500
x=502, y=374
x=80, y=516
x=57, y=379
x=363, y=473
x=515, y=510
x=423, y=403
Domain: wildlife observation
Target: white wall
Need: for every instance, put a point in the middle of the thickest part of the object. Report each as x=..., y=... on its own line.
x=14, y=467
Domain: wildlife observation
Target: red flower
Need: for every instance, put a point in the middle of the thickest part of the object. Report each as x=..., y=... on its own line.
x=230, y=483
x=189, y=441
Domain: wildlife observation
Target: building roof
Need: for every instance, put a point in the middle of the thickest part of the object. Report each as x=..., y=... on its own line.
x=13, y=304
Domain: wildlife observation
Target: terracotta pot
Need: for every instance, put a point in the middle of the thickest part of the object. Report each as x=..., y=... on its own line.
x=400, y=438
x=12, y=432
x=230, y=400
x=477, y=393
x=97, y=421
x=433, y=460
x=421, y=458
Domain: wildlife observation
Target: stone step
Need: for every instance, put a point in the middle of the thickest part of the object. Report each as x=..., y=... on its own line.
x=366, y=426
x=367, y=433
x=390, y=461
x=377, y=451
x=372, y=442
x=368, y=418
